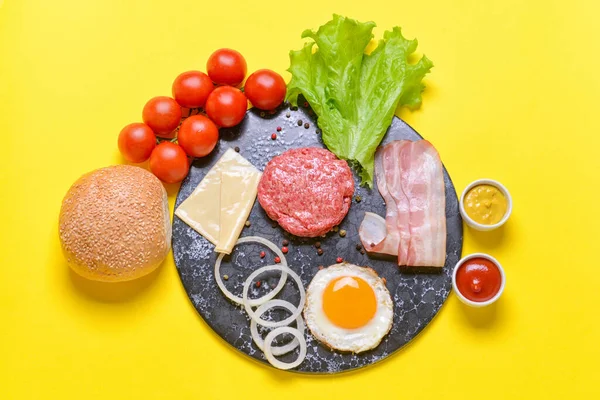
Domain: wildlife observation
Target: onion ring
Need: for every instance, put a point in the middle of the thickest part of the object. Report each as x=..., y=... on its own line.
x=269, y=354
x=248, y=306
x=266, y=297
x=276, y=350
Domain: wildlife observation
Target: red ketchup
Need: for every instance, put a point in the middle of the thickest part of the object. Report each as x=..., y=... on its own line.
x=478, y=279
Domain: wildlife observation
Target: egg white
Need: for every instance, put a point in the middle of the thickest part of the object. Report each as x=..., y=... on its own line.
x=352, y=340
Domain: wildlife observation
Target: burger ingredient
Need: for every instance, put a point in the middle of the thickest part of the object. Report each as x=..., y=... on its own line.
x=276, y=350
x=264, y=298
x=307, y=191
x=221, y=203
x=485, y=204
x=226, y=106
x=169, y=162
x=348, y=308
x=198, y=136
x=226, y=67
x=265, y=303
x=191, y=89
x=114, y=224
x=136, y=142
x=162, y=114
x=478, y=279
x=268, y=347
x=410, y=178
x=246, y=301
x=238, y=192
x=265, y=89
x=355, y=94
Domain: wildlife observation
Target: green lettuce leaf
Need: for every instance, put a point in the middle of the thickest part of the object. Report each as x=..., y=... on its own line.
x=354, y=94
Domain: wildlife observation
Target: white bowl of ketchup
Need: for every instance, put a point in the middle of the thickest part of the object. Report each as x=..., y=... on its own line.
x=478, y=280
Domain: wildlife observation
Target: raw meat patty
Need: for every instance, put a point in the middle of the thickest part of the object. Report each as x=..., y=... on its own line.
x=307, y=191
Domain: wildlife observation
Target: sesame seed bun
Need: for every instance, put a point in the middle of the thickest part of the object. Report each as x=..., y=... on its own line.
x=114, y=224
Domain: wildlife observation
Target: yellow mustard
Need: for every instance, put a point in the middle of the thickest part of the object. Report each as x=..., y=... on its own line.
x=485, y=204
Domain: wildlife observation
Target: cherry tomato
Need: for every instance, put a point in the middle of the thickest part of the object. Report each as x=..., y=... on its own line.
x=226, y=67
x=136, y=142
x=162, y=114
x=191, y=89
x=265, y=89
x=198, y=136
x=226, y=106
x=169, y=162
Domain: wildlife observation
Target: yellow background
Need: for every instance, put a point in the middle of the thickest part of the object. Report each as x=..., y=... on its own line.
x=513, y=96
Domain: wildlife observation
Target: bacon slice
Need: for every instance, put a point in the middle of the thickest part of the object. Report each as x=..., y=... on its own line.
x=423, y=183
x=393, y=170
x=410, y=179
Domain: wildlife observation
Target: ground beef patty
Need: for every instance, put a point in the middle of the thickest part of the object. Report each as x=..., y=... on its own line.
x=307, y=191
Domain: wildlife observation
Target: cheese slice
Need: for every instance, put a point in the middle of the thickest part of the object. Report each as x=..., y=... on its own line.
x=238, y=192
x=222, y=201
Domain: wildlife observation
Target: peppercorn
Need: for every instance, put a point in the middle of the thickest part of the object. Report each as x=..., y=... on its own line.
x=317, y=244
x=299, y=122
x=277, y=260
x=320, y=252
x=287, y=115
x=273, y=136
x=262, y=114
x=226, y=277
x=237, y=149
x=247, y=223
x=285, y=242
x=362, y=252
x=358, y=199
x=284, y=250
x=306, y=125
x=339, y=260
x=336, y=228
x=262, y=254
x=342, y=233
x=278, y=129
x=358, y=247
x=318, y=131
x=305, y=104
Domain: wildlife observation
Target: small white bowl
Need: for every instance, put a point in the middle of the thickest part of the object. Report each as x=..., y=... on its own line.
x=478, y=303
x=477, y=225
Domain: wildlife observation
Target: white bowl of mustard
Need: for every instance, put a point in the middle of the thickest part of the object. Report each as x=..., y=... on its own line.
x=485, y=204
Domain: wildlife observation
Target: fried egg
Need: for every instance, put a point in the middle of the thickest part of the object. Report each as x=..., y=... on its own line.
x=348, y=308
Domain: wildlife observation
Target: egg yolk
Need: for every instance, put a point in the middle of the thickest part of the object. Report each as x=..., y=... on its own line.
x=349, y=302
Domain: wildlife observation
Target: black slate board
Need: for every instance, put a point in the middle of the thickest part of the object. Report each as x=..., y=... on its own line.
x=417, y=296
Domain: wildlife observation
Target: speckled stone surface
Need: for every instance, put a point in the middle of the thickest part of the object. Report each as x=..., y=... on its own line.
x=417, y=296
